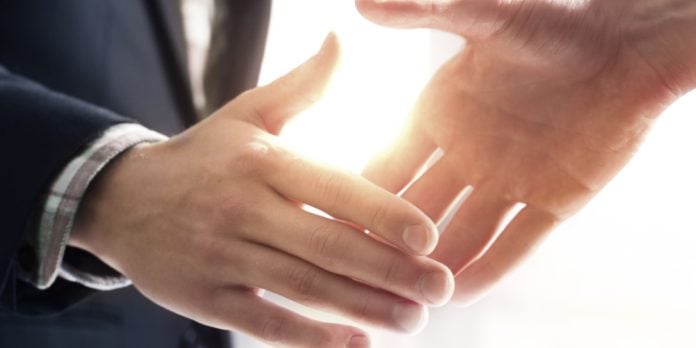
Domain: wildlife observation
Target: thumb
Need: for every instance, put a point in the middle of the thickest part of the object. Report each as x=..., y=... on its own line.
x=469, y=18
x=271, y=106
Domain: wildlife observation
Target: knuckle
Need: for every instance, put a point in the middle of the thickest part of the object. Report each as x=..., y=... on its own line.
x=325, y=244
x=247, y=105
x=255, y=157
x=392, y=269
x=246, y=97
x=364, y=308
x=302, y=281
x=233, y=210
x=283, y=85
x=207, y=248
x=335, y=189
x=234, y=270
x=272, y=329
x=324, y=338
x=379, y=216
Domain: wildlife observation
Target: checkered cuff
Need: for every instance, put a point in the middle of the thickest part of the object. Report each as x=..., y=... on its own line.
x=60, y=207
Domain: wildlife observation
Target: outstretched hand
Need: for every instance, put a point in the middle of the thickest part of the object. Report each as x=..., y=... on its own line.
x=544, y=105
x=202, y=222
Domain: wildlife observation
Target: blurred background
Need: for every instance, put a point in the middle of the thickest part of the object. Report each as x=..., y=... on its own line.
x=622, y=273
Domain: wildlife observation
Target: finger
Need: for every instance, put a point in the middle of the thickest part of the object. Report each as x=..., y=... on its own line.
x=470, y=18
x=517, y=241
x=242, y=310
x=352, y=198
x=271, y=106
x=307, y=284
x=340, y=249
x=435, y=191
x=395, y=167
x=472, y=229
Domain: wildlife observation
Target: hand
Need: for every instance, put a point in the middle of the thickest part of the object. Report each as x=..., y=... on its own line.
x=544, y=105
x=202, y=222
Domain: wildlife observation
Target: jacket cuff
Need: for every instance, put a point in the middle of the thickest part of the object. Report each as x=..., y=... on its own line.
x=60, y=207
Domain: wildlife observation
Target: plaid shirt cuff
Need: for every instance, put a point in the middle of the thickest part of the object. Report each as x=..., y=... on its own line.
x=60, y=207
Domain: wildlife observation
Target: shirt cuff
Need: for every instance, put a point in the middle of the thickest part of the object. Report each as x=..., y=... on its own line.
x=60, y=207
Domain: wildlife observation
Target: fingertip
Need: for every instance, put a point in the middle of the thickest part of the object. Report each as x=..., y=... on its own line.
x=362, y=6
x=410, y=317
x=330, y=41
x=374, y=9
x=437, y=287
x=421, y=239
x=330, y=47
x=462, y=303
x=394, y=13
x=472, y=285
x=349, y=337
x=358, y=341
x=274, y=104
x=466, y=299
x=323, y=65
x=339, y=335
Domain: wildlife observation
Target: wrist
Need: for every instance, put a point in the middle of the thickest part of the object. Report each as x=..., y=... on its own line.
x=105, y=203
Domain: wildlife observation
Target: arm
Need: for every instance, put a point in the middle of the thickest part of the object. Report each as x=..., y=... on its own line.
x=41, y=131
x=544, y=105
x=61, y=204
x=203, y=222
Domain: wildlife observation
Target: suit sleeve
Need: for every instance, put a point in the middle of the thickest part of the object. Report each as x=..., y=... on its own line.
x=49, y=241
x=40, y=132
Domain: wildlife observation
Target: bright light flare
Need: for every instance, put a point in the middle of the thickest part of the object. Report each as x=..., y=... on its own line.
x=379, y=77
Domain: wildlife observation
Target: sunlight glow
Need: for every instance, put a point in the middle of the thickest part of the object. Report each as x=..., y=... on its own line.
x=380, y=75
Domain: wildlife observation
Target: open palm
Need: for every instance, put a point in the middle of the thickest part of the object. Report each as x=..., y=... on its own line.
x=544, y=105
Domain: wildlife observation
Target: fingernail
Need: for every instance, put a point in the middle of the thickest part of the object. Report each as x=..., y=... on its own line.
x=418, y=238
x=410, y=317
x=358, y=341
x=437, y=287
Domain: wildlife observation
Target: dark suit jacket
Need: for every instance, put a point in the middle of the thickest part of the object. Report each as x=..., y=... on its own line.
x=68, y=70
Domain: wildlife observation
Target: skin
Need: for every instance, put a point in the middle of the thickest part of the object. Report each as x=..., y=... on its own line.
x=203, y=222
x=544, y=105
